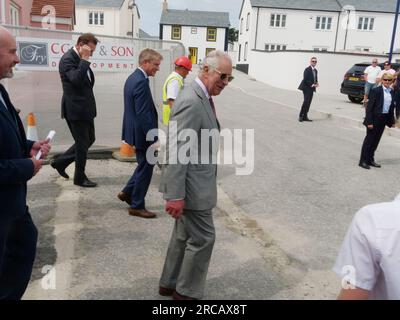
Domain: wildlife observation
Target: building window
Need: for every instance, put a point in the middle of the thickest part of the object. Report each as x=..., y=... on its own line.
x=278, y=20
x=211, y=34
x=366, y=23
x=208, y=50
x=275, y=47
x=245, y=51
x=14, y=15
x=176, y=32
x=366, y=49
x=96, y=18
x=248, y=22
x=194, y=30
x=241, y=26
x=240, y=51
x=323, y=49
x=323, y=23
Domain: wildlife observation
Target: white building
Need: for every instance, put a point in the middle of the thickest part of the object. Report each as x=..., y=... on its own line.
x=199, y=31
x=322, y=25
x=108, y=17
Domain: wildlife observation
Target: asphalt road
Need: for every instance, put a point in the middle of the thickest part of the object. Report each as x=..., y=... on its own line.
x=279, y=229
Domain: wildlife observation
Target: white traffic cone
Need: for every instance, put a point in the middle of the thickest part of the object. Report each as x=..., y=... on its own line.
x=32, y=133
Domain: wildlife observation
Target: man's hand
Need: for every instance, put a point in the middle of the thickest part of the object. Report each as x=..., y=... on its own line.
x=37, y=165
x=175, y=208
x=44, y=146
x=370, y=126
x=85, y=52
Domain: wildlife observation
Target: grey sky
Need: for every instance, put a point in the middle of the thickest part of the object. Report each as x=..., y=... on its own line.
x=150, y=10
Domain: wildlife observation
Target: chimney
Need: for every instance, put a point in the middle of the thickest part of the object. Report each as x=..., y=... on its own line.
x=165, y=5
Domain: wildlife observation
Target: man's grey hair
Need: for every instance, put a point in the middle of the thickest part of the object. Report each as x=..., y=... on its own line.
x=213, y=58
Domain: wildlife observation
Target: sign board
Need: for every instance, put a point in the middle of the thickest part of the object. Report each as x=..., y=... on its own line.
x=45, y=54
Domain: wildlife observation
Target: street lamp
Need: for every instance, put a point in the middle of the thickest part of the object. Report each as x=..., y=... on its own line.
x=394, y=30
x=131, y=6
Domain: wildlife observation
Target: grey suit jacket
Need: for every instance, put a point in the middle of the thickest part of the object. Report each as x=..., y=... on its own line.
x=196, y=181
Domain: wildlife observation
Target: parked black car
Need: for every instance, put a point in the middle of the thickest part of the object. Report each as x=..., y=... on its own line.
x=354, y=82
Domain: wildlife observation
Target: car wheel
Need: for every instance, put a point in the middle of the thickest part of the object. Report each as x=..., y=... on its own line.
x=355, y=99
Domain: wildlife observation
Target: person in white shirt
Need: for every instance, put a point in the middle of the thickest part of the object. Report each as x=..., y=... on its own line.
x=368, y=261
x=387, y=69
x=370, y=75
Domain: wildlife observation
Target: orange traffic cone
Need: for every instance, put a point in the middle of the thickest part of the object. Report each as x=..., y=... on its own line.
x=32, y=133
x=126, y=153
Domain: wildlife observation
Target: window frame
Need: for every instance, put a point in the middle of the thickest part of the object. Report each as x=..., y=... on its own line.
x=248, y=22
x=15, y=13
x=366, y=23
x=324, y=23
x=210, y=39
x=174, y=36
x=96, y=18
x=278, y=20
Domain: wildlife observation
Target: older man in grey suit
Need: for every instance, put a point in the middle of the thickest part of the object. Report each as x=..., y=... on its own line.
x=190, y=187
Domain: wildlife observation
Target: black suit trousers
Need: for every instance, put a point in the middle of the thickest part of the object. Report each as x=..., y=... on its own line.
x=371, y=142
x=18, y=238
x=83, y=133
x=308, y=96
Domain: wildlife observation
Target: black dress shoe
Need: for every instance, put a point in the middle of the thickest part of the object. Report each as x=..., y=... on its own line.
x=300, y=119
x=60, y=171
x=374, y=164
x=306, y=119
x=364, y=165
x=86, y=183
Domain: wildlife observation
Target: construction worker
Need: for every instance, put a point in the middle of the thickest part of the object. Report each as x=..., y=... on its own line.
x=173, y=84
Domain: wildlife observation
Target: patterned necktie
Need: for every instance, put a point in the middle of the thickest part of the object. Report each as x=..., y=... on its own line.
x=212, y=106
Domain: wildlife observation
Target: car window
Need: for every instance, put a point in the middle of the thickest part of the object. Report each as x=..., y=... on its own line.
x=357, y=69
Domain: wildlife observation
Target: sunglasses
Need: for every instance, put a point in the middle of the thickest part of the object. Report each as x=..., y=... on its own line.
x=314, y=61
x=374, y=61
x=224, y=76
x=386, y=79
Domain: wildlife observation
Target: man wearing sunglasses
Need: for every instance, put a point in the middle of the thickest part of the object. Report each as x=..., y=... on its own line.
x=378, y=114
x=190, y=189
x=308, y=85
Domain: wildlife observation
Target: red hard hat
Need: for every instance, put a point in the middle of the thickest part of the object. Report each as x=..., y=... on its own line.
x=184, y=62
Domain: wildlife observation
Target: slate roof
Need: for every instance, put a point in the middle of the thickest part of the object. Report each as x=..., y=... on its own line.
x=195, y=18
x=100, y=3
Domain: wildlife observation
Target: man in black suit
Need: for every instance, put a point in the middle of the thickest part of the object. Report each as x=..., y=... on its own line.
x=379, y=113
x=78, y=107
x=308, y=85
x=18, y=234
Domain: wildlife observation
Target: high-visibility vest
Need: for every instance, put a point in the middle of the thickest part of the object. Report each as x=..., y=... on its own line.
x=166, y=107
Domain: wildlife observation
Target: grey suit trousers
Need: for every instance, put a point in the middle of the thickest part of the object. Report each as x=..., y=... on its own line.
x=189, y=253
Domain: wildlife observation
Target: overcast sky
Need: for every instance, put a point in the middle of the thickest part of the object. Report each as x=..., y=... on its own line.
x=150, y=11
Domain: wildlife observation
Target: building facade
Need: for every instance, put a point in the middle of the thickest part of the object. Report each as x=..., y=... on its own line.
x=108, y=17
x=53, y=14
x=15, y=12
x=199, y=31
x=324, y=25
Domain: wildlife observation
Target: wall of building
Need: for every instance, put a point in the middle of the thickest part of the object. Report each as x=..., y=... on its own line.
x=198, y=40
x=285, y=69
x=125, y=20
x=246, y=35
x=25, y=11
x=111, y=26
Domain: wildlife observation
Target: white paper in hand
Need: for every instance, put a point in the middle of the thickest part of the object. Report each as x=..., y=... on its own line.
x=50, y=137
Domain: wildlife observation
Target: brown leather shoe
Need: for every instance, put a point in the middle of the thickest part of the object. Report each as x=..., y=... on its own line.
x=177, y=296
x=143, y=213
x=166, y=292
x=124, y=197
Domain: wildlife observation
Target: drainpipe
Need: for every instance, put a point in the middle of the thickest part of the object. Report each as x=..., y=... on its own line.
x=255, y=42
x=347, y=29
x=394, y=31
x=337, y=32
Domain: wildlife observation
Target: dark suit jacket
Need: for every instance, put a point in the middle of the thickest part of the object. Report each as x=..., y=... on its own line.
x=78, y=101
x=140, y=113
x=373, y=112
x=308, y=79
x=15, y=166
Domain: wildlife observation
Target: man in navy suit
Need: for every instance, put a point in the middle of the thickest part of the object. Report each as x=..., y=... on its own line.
x=140, y=117
x=378, y=114
x=308, y=85
x=18, y=234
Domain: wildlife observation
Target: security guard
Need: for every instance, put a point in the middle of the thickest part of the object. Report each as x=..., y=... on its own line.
x=173, y=84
